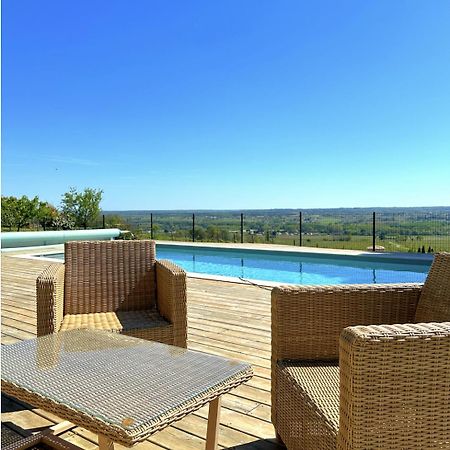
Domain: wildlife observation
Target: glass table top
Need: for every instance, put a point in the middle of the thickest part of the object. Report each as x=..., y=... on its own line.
x=124, y=382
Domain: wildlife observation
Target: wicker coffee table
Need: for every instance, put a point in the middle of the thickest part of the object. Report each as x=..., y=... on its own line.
x=122, y=388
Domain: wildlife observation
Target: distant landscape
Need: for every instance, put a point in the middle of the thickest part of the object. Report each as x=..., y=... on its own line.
x=424, y=229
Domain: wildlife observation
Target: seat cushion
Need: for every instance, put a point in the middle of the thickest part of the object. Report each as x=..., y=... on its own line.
x=120, y=321
x=307, y=404
x=434, y=301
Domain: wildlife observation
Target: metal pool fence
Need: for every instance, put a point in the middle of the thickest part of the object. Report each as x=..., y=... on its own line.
x=424, y=230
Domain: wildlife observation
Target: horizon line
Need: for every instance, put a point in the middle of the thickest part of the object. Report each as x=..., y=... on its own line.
x=275, y=209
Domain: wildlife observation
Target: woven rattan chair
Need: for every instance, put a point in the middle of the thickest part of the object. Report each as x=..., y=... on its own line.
x=338, y=381
x=115, y=286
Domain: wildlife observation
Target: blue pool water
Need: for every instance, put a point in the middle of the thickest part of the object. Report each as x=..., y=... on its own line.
x=306, y=269
x=292, y=268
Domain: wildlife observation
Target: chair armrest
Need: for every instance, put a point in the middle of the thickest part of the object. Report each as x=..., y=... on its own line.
x=171, y=298
x=308, y=320
x=395, y=386
x=50, y=299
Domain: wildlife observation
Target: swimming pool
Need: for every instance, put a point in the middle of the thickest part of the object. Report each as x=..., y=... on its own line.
x=293, y=268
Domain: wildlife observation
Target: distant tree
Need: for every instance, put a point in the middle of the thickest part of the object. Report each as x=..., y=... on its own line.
x=82, y=208
x=156, y=230
x=8, y=205
x=117, y=221
x=212, y=233
x=63, y=222
x=199, y=234
x=19, y=212
x=224, y=235
x=46, y=215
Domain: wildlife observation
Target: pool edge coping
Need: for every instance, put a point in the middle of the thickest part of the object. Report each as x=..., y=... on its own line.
x=401, y=257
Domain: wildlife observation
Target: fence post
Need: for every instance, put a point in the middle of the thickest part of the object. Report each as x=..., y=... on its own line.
x=300, y=229
x=103, y=217
x=373, y=231
x=151, y=225
x=193, y=227
x=242, y=228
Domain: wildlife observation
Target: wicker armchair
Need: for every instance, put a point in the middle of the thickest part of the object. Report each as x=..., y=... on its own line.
x=338, y=381
x=115, y=286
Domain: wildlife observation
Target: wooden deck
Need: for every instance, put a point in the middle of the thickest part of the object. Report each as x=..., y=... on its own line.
x=227, y=319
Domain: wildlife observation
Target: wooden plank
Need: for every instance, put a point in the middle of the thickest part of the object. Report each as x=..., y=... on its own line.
x=62, y=427
x=18, y=324
x=236, y=345
x=235, y=325
x=76, y=439
x=24, y=418
x=244, y=344
x=93, y=439
x=197, y=426
x=9, y=339
x=173, y=438
x=27, y=315
x=243, y=422
x=17, y=333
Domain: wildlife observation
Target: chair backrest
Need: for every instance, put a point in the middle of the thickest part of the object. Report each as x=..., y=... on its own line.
x=102, y=276
x=434, y=301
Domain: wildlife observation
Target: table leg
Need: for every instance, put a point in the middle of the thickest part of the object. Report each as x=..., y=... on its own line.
x=104, y=443
x=212, y=434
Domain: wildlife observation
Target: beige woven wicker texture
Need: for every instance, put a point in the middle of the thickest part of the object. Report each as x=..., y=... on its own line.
x=116, y=286
x=340, y=380
x=120, y=387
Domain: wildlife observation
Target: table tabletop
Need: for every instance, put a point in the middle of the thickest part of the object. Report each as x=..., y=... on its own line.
x=118, y=386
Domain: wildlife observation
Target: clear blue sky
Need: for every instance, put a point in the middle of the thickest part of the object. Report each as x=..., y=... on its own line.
x=228, y=104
